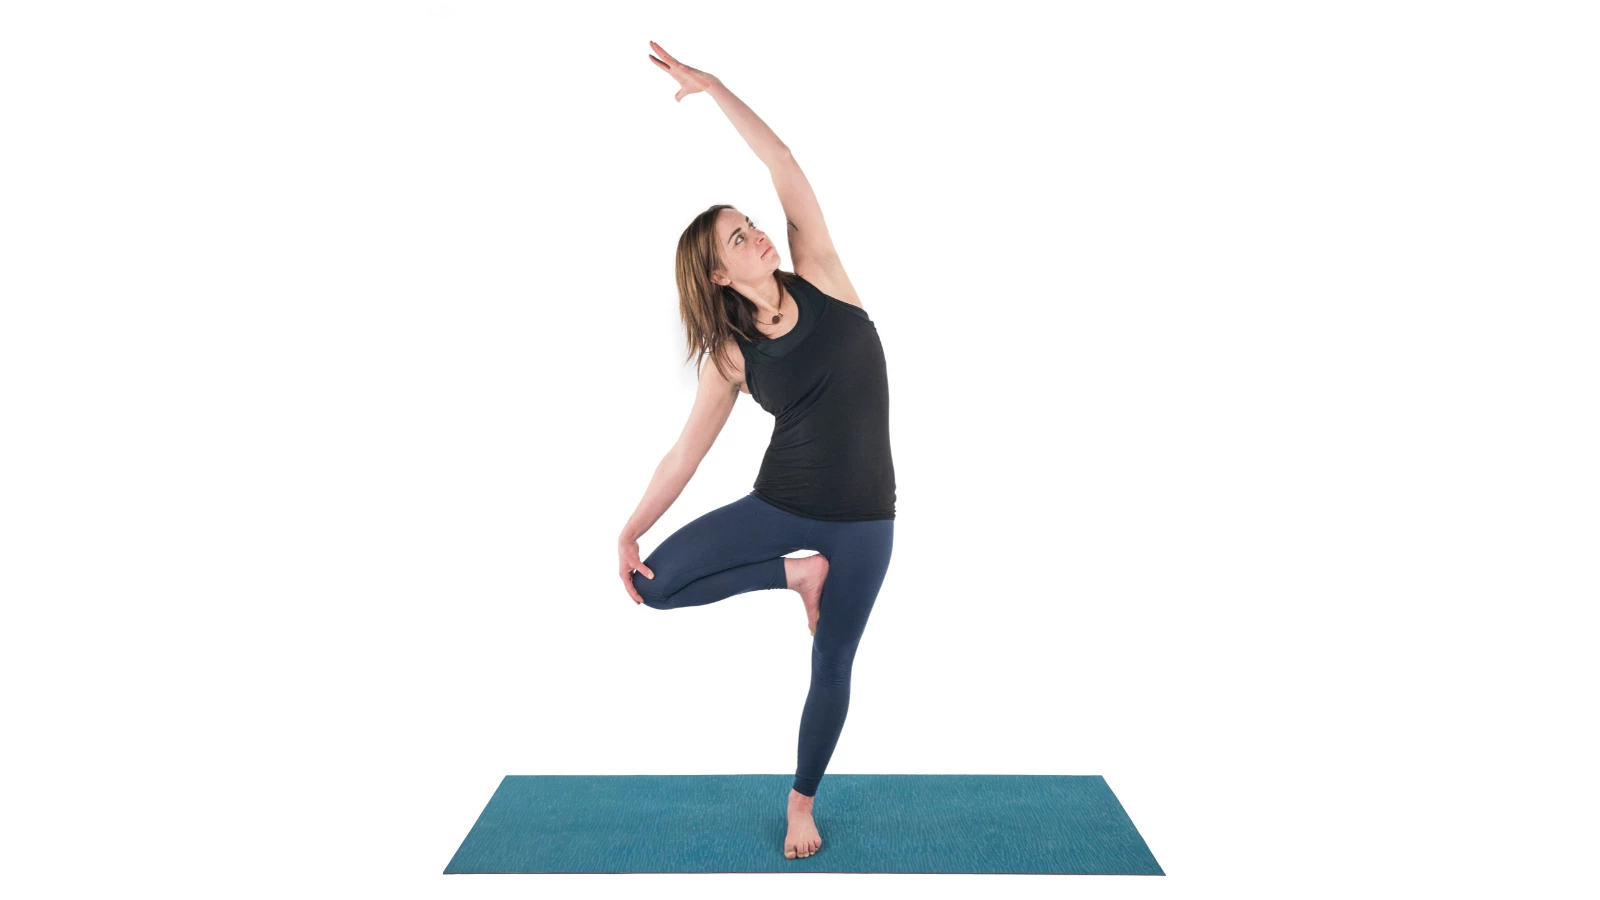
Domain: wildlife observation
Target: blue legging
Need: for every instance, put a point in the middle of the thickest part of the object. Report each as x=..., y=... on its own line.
x=740, y=547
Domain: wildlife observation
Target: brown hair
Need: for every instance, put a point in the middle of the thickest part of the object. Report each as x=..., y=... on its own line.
x=713, y=313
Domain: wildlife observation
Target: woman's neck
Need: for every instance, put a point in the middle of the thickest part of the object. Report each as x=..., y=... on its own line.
x=765, y=311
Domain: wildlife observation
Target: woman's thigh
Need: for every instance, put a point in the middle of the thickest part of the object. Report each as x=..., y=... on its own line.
x=742, y=533
x=858, y=560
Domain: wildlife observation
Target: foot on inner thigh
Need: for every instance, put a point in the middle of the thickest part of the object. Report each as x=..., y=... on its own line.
x=802, y=839
x=806, y=575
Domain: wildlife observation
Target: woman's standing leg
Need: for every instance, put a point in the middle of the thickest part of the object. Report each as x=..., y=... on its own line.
x=731, y=550
x=858, y=559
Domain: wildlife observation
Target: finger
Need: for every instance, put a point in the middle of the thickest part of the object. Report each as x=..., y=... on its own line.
x=647, y=573
x=632, y=591
x=664, y=54
x=663, y=65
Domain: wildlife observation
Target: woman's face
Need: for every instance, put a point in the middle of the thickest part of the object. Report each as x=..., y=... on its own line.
x=747, y=255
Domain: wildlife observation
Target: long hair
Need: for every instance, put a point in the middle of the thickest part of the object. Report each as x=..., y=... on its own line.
x=713, y=313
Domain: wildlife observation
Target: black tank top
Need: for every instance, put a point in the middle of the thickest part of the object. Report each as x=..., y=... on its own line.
x=826, y=384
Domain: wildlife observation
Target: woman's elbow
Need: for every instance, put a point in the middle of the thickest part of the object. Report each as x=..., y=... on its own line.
x=683, y=459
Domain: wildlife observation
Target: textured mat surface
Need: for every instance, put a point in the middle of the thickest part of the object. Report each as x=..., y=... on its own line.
x=996, y=824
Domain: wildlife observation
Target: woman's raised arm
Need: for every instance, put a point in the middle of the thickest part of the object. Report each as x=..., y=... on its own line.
x=754, y=131
x=810, y=245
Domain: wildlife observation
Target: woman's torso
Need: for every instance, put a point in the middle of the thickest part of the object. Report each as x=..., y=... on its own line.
x=825, y=382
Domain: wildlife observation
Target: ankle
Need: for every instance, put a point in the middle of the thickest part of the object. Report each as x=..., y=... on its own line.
x=800, y=802
x=804, y=571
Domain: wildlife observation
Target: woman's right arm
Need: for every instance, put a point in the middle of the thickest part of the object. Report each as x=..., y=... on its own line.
x=713, y=402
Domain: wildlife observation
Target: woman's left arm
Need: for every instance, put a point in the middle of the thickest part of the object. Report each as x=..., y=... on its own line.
x=809, y=241
x=691, y=80
x=810, y=245
x=755, y=132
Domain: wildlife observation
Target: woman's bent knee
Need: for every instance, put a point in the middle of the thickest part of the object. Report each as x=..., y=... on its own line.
x=647, y=591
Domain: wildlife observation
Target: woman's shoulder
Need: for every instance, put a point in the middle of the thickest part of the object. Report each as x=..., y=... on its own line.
x=821, y=298
x=830, y=281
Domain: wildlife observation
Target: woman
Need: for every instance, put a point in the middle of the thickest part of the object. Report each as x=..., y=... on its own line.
x=802, y=345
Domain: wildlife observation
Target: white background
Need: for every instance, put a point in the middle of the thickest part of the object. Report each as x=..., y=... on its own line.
x=1242, y=361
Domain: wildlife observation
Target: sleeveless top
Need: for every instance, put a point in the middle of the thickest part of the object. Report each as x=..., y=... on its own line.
x=827, y=386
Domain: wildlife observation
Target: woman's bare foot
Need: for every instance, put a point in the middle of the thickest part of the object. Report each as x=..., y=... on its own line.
x=806, y=575
x=802, y=839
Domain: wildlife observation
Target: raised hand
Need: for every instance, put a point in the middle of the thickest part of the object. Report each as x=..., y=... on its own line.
x=690, y=80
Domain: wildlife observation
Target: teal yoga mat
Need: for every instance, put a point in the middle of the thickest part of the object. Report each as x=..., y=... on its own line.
x=993, y=824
